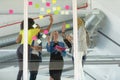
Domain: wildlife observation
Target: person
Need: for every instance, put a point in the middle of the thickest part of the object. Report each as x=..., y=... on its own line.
x=83, y=39
x=82, y=43
x=20, y=39
x=56, y=56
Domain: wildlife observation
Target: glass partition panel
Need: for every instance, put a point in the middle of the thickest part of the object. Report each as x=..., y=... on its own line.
x=11, y=13
x=53, y=61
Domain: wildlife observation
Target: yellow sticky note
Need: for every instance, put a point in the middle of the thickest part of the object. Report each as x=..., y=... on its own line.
x=58, y=8
x=41, y=16
x=53, y=1
x=48, y=11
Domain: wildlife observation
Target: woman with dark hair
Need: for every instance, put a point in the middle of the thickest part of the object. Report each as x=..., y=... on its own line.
x=57, y=51
x=31, y=33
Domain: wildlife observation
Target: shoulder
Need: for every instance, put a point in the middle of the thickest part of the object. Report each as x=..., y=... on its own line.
x=21, y=32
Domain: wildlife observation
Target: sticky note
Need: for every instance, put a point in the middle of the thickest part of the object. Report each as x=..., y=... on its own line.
x=41, y=16
x=45, y=31
x=53, y=1
x=39, y=41
x=67, y=7
x=37, y=5
x=48, y=11
x=58, y=8
x=44, y=36
x=56, y=12
x=34, y=25
x=53, y=8
x=11, y=11
x=34, y=38
x=42, y=9
x=43, y=1
x=67, y=12
x=62, y=12
x=48, y=4
x=67, y=26
x=30, y=3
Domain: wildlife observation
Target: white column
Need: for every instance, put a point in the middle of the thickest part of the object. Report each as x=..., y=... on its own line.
x=77, y=60
x=25, y=47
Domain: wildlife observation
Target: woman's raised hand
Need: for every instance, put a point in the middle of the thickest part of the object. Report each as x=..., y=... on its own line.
x=63, y=27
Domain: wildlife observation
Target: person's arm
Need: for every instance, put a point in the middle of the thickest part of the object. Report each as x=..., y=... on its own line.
x=37, y=48
x=49, y=26
x=19, y=38
x=63, y=30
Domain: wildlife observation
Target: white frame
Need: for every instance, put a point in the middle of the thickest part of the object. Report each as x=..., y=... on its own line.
x=25, y=47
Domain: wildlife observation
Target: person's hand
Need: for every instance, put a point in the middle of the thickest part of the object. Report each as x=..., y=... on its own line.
x=63, y=27
x=37, y=48
x=59, y=50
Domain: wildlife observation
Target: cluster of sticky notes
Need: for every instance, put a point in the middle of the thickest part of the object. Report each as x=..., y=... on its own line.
x=56, y=9
x=64, y=12
x=67, y=26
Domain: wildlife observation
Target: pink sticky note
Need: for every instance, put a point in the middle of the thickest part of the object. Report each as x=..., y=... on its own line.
x=34, y=38
x=11, y=11
x=48, y=4
x=30, y=3
x=45, y=31
x=67, y=7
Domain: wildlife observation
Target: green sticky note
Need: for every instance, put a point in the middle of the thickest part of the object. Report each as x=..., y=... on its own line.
x=37, y=5
x=56, y=12
x=67, y=25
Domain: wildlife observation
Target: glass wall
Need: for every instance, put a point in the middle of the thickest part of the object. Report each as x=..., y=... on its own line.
x=11, y=13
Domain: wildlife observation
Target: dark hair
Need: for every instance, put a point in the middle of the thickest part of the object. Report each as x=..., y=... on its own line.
x=30, y=24
x=22, y=25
